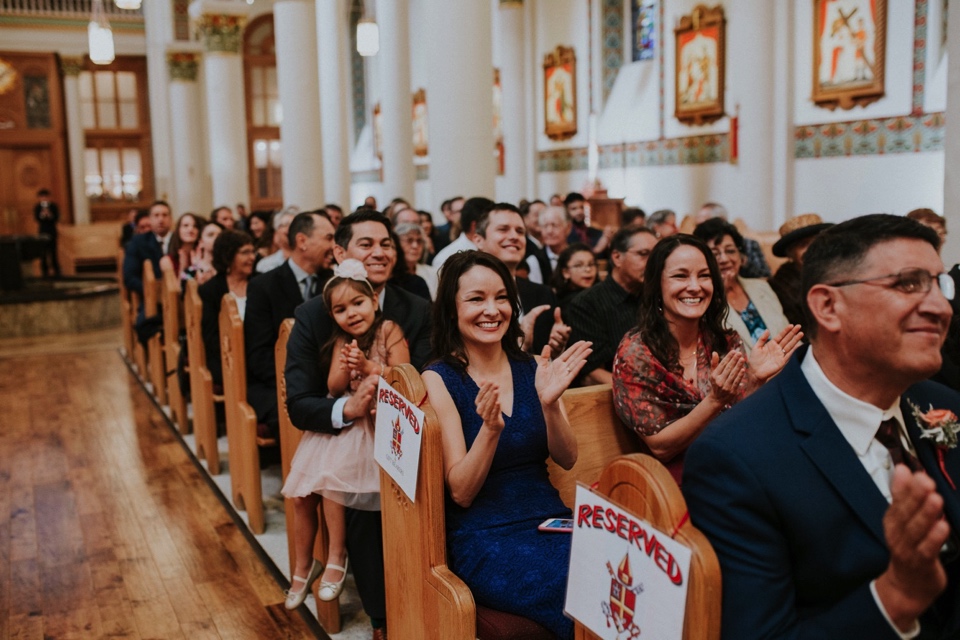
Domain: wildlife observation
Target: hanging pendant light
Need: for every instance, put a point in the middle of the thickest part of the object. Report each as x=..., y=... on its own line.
x=129, y=5
x=368, y=37
x=99, y=36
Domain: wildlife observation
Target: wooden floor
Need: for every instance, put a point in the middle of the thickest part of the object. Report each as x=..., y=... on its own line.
x=108, y=528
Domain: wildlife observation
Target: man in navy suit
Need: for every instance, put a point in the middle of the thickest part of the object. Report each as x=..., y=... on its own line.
x=365, y=236
x=273, y=297
x=820, y=532
x=147, y=246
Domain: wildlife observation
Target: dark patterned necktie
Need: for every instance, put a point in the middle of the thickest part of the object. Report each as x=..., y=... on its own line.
x=889, y=436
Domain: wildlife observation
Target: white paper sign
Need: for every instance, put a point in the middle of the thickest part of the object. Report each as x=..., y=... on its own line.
x=627, y=579
x=396, y=441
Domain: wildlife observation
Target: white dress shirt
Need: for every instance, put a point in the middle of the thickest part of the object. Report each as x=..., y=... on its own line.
x=462, y=243
x=858, y=422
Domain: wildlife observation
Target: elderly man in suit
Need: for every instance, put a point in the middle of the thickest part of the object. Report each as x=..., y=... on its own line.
x=273, y=297
x=365, y=236
x=829, y=505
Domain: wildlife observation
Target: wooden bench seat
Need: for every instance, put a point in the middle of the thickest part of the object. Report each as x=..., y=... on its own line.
x=425, y=599
x=172, y=324
x=202, y=398
x=155, y=359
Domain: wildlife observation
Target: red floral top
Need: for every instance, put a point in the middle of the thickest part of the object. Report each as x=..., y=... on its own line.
x=649, y=396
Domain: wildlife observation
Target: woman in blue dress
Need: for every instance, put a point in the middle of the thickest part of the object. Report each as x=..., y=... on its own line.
x=501, y=416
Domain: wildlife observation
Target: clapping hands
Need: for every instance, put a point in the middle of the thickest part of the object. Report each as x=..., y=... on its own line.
x=488, y=406
x=770, y=356
x=554, y=376
x=355, y=361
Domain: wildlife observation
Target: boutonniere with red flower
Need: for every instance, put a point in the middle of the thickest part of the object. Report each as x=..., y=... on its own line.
x=941, y=426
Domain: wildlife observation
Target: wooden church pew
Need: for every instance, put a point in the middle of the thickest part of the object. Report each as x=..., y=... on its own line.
x=242, y=450
x=151, y=307
x=328, y=613
x=202, y=397
x=172, y=323
x=128, y=313
x=424, y=597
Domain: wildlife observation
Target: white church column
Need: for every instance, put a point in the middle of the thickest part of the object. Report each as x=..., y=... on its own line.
x=513, y=107
x=951, y=142
x=459, y=103
x=185, y=142
x=396, y=101
x=332, y=52
x=76, y=141
x=298, y=83
x=221, y=29
x=158, y=24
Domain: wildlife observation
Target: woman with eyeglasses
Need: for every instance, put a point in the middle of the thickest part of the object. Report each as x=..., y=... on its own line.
x=754, y=308
x=681, y=367
x=576, y=270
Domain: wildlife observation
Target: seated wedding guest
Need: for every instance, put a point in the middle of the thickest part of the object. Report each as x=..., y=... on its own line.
x=500, y=232
x=663, y=223
x=930, y=218
x=404, y=215
x=632, y=215
x=554, y=229
x=576, y=271
x=796, y=235
x=224, y=217
x=281, y=241
x=681, y=367
x=129, y=227
x=233, y=256
x=151, y=246
x=603, y=314
x=805, y=489
x=184, y=246
x=261, y=230
x=413, y=239
x=467, y=215
x=754, y=263
x=503, y=416
x=406, y=278
x=754, y=307
x=365, y=236
x=446, y=232
x=370, y=203
x=274, y=297
x=334, y=212
x=204, y=269
x=426, y=223
x=597, y=239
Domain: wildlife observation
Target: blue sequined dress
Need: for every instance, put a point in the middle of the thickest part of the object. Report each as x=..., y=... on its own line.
x=494, y=545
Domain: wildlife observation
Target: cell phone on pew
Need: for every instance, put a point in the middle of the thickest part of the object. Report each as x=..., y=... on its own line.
x=557, y=525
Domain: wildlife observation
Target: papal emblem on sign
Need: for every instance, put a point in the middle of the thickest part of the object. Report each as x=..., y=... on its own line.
x=396, y=443
x=619, y=610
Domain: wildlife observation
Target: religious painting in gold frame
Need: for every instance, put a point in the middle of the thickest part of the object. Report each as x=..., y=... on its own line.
x=849, y=52
x=377, y=131
x=498, y=121
x=560, y=93
x=701, y=65
x=420, y=146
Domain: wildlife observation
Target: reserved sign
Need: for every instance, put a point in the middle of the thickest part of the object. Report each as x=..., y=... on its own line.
x=626, y=578
x=396, y=444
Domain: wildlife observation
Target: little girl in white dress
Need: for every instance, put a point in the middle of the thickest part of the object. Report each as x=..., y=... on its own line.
x=340, y=468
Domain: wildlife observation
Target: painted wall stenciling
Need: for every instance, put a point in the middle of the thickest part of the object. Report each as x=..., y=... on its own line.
x=919, y=56
x=701, y=149
x=905, y=134
x=611, y=42
x=358, y=85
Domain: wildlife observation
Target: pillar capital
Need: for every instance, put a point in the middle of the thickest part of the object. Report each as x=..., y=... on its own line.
x=183, y=65
x=219, y=32
x=71, y=66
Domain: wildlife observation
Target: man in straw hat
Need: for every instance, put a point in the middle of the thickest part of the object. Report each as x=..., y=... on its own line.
x=796, y=235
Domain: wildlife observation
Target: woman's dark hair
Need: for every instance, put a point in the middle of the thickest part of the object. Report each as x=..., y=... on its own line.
x=226, y=247
x=266, y=238
x=446, y=341
x=714, y=229
x=654, y=328
x=365, y=342
x=175, y=242
x=564, y=285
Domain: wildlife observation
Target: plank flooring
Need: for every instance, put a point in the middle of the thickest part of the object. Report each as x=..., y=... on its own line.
x=108, y=527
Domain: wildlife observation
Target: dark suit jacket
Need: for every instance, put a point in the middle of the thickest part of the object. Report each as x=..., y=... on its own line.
x=211, y=295
x=144, y=246
x=796, y=521
x=307, y=401
x=592, y=235
x=545, y=267
x=271, y=298
x=47, y=225
x=533, y=295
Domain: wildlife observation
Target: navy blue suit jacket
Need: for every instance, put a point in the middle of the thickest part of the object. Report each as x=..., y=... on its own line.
x=144, y=246
x=796, y=521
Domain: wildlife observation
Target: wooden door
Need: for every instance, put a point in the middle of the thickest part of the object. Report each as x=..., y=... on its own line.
x=30, y=171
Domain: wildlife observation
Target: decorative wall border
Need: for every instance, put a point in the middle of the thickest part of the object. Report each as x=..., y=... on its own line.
x=611, y=43
x=919, y=56
x=702, y=149
x=880, y=136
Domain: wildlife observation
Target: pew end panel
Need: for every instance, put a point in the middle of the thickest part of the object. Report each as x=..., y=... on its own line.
x=601, y=437
x=423, y=596
x=328, y=613
x=170, y=295
x=139, y=353
x=128, y=313
x=643, y=486
x=151, y=307
x=201, y=382
x=242, y=451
